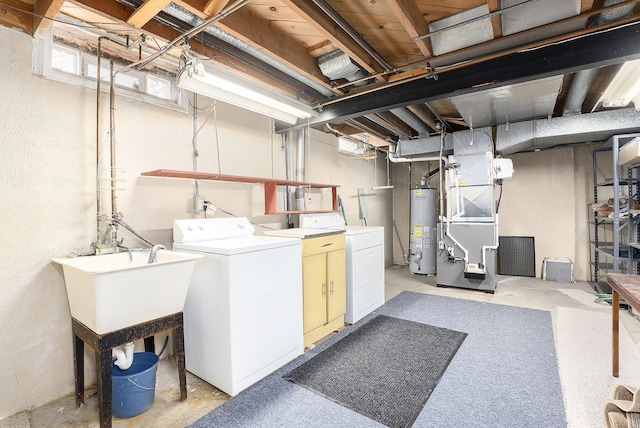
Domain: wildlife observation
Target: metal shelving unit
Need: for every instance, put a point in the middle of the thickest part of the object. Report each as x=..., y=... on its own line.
x=616, y=239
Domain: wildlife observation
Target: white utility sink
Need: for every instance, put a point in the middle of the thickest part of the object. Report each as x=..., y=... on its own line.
x=110, y=292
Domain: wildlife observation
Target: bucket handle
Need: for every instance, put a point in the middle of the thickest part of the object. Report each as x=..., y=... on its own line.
x=140, y=386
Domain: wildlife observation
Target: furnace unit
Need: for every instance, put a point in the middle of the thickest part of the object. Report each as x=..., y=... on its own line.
x=468, y=233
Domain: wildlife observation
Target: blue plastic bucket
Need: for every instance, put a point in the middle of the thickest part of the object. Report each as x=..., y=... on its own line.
x=134, y=388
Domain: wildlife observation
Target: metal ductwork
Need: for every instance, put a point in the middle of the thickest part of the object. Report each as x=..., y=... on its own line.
x=536, y=134
x=411, y=119
x=342, y=23
x=337, y=65
x=614, y=14
x=381, y=123
x=582, y=80
x=428, y=146
x=546, y=133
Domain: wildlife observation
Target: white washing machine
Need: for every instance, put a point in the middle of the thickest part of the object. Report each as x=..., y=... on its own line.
x=243, y=312
x=365, y=262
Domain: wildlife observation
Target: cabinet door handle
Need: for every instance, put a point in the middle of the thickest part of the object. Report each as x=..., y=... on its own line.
x=326, y=245
x=324, y=288
x=332, y=287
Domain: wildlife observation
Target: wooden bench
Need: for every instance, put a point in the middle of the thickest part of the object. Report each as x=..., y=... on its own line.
x=627, y=286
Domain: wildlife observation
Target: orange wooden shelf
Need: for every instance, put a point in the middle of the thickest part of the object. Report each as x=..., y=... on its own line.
x=270, y=186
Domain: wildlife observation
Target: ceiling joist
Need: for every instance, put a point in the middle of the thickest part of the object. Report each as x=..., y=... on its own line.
x=340, y=38
x=44, y=12
x=496, y=20
x=257, y=33
x=165, y=33
x=146, y=12
x=14, y=14
x=592, y=50
x=413, y=22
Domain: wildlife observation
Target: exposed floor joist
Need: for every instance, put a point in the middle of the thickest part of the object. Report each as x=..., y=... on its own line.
x=44, y=12
x=335, y=34
x=146, y=12
x=412, y=20
x=267, y=39
x=592, y=50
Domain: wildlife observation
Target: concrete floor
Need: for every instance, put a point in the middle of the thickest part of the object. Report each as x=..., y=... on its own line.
x=168, y=411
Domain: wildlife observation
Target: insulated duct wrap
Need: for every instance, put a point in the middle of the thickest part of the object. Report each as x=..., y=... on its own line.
x=544, y=133
x=337, y=65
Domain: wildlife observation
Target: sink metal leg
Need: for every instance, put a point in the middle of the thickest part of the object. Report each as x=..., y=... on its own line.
x=78, y=363
x=150, y=344
x=182, y=374
x=105, y=399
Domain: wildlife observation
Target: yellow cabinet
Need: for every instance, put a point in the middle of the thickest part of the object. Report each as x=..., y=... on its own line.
x=323, y=286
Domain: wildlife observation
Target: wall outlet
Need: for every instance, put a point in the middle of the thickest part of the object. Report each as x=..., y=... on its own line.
x=198, y=205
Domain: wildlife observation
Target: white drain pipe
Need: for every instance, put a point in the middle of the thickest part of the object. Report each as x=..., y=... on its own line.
x=124, y=359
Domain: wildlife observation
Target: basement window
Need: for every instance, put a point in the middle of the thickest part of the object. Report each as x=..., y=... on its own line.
x=65, y=59
x=58, y=59
x=158, y=86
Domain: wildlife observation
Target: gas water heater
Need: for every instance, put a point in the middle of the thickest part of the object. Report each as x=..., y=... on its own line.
x=423, y=240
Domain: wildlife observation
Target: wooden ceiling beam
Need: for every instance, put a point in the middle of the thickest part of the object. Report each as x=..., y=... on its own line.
x=117, y=11
x=15, y=14
x=496, y=20
x=257, y=32
x=586, y=5
x=332, y=31
x=214, y=6
x=320, y=48
x=413, y=22
x=146, y=12
x=347, y=128
x=44, y=11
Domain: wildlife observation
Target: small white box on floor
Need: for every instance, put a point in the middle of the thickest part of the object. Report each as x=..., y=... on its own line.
x=557, y=269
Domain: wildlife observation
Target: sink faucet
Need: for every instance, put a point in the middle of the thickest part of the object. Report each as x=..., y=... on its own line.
x=154, y=250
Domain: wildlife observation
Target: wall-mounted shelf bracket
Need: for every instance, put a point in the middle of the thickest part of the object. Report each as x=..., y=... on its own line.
x=270, y=186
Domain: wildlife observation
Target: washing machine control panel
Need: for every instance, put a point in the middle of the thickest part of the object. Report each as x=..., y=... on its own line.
x=210, y=229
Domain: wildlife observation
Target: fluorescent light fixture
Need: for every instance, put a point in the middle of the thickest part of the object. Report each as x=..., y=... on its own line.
x=625, y=87
x=223, y=86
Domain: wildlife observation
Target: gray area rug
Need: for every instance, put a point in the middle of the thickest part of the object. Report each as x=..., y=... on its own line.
x=505, y=374
x=386, y=369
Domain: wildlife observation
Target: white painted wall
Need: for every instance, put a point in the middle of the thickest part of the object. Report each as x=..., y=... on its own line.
x=540, y=201
x=48, y=197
